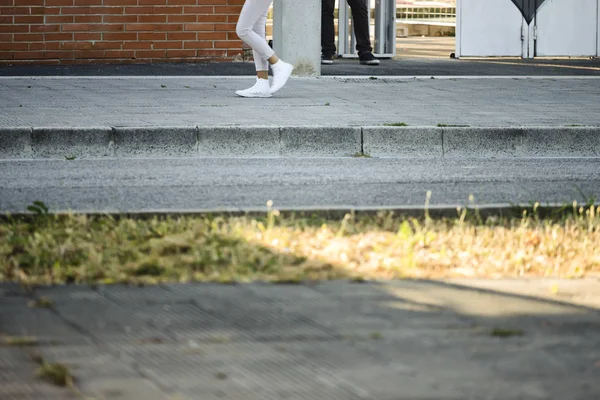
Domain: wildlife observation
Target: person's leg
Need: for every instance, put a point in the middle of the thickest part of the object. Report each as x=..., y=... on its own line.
x=252, y=12
x=327, y=29
x=360, y=22
x=261, y=63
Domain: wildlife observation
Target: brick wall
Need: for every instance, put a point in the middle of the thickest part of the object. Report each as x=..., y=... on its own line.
x=89, y=31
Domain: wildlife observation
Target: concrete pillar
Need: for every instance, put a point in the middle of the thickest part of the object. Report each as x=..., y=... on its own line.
x=297, y=34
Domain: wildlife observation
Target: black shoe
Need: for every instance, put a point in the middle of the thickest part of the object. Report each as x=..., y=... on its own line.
x=326, y=60
x=368, y=59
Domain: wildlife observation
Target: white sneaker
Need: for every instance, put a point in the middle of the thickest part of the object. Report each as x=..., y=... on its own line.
x=260, y=89
x=281, y=74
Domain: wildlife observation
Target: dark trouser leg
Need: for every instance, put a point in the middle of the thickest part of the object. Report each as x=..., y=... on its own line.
x=327, y=28
x=360, y=17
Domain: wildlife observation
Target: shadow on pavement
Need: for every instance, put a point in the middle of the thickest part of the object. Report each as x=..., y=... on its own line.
x=334, y=340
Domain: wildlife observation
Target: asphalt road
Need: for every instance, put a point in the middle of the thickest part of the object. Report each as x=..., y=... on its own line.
x=341, y=67
x=144, y=185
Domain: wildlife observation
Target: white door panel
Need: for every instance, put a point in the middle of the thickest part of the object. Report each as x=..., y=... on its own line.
x=567, y=28
x=490, y=28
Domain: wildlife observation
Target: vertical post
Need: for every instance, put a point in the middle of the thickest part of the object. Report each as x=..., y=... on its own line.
x=385, y=28
x=297, y=34
x=346, y=37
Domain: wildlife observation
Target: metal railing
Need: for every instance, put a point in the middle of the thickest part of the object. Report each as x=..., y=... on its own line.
x=427, y=15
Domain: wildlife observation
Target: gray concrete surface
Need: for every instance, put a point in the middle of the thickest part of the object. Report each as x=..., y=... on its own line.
x=213, y=184
x=177, y=116
x=378, y=341
x=339, y=102
x=307, y=141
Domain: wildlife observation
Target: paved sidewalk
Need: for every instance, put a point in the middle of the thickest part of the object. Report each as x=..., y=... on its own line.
x=326, y=101
x=399, y=340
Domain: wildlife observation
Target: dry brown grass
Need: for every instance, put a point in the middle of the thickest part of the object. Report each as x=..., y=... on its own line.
x=76, y=248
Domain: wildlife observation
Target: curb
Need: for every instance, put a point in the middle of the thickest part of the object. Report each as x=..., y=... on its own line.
x=292, y=141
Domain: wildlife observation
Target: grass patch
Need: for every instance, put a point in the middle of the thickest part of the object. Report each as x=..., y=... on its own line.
x=396, y=124
x=18, y=341
x=42, y=302
x=361, y=155
x=506, y=333
x=296, y=248
x=55, y=373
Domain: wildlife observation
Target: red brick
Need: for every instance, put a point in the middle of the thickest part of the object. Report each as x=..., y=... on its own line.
x=124, y=19
x=152, y=36
x=14, y=46
x=119, y=36
x=168, y=10
x=152, y=18
x=6, y=19
x=228, y=9
x=29, y=19
x=28, y=54
x=228, y=44
x=87, y=2
x=198, y=45
x=181, y=53
x=76, y=27
x=151, y=54
x=119, y=54
x=212, y=36
x=6, y=55
x=6, y=37
x=62, y=54
x=107, y=28
x=182, y=36
x=199, y=27
x=139, y=10
x=89, y=53
x=90, y=19
x=212, y=18
x=236, y=2
x=107, y=10
x=14, y=28
x=167, y=45
x=225, y=27
x=30, y=2
x=44, y=46
x=59, y=19
x=152, y=2
x=182, y=18
x=76, y=45
x=28, y=37
x=107, y=46
x=199, y=10
x=212, y=53
x=87, y=36
x=120, y=2
x=137, y=45
x=182, y=2
x=75, y=10
x=50, y=3
x=37, y=11
x=58, y=36
x=45, y=28
x=139, y=27
x=212, y=2
x=51, y=11
x=168, y=27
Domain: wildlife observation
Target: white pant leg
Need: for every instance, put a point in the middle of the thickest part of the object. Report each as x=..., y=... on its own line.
x=261, y=30
x=252, y=12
